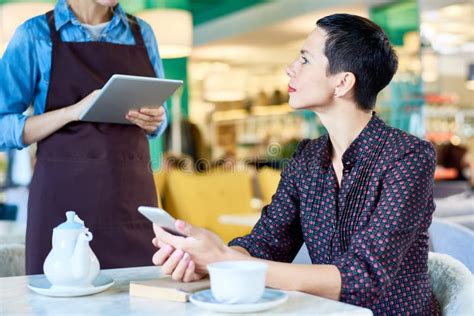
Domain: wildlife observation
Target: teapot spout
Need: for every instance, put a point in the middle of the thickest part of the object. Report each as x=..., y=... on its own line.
x=80, y=258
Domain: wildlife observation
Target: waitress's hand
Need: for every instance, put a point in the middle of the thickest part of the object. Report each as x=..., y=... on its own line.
x=147, y=118
x=74, y=111
x=38, y=127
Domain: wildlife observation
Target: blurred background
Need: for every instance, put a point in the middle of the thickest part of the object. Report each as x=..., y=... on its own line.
x=231, y=128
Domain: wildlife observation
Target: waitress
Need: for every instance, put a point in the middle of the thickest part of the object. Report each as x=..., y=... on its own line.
x=56, y=62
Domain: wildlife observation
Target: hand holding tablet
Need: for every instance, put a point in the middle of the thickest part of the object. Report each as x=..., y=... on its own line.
x=123, y=93
x=148, y=119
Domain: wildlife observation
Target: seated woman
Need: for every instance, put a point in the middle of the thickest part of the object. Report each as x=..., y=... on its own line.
x=360, y=198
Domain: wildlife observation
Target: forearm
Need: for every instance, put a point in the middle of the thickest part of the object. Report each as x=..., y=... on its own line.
x=316, y=279
x=242, y=250
x=41, y=126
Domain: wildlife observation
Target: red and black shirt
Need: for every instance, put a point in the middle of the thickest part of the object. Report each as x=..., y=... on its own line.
x=374, y=227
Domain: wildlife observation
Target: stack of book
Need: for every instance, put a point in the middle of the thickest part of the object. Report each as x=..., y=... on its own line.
x=167, y=289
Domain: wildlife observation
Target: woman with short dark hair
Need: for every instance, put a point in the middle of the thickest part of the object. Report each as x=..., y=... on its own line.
x=360, y=197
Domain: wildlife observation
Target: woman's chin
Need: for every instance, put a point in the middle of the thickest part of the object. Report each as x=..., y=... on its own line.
x=107, y=3
x=294, y=104
x=300, y=105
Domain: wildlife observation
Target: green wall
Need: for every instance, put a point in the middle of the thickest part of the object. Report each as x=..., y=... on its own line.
x=396, y=19
x=175, y=68
x=405, y=102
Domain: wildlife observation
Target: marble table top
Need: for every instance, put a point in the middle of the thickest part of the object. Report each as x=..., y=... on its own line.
x=16, y=298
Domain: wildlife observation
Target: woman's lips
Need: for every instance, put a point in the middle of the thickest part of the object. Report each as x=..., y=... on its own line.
x=291, y=89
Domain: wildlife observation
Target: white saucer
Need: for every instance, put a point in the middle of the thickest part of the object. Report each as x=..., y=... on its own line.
x=41, y=285
x=270, y=299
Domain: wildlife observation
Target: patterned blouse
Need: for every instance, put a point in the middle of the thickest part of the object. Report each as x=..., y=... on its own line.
x=374, y=228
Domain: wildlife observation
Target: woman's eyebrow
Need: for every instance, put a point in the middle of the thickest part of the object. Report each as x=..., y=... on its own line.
x=304, y=51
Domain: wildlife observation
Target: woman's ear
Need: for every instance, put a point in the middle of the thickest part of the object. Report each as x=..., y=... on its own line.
x=345, y=82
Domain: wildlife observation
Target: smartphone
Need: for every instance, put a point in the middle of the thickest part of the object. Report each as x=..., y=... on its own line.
x=161, y=218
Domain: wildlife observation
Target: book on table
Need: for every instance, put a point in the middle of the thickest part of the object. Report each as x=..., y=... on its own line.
x=167, y=289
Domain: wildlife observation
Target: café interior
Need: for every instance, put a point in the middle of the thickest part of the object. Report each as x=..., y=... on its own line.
x=231, y=130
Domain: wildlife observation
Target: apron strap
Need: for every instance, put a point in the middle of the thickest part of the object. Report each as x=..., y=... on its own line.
x=132, y=21
x=52, y=27
x=137, y=34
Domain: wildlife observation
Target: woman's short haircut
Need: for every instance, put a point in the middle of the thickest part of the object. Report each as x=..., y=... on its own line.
x=358, y=45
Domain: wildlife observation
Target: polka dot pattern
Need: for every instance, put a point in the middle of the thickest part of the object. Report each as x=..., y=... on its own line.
x=374, y=227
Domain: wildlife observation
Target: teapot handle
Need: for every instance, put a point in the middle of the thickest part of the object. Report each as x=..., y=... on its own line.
x=87, y=235
x=81, y=258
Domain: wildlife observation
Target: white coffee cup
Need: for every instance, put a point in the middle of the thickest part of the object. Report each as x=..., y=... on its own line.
x=237, y=282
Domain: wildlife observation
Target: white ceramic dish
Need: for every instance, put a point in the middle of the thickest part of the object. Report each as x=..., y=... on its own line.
x=270, y=299
x=41, y=285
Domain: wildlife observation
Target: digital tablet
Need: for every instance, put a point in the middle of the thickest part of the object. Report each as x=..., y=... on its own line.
x=123, y=93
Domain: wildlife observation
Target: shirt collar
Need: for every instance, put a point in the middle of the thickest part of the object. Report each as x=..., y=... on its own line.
x=63, y=15
x=366, y=142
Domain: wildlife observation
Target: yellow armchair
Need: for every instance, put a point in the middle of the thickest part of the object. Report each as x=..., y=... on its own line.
x=201, y=199
x=268, y=180
x=160, y=183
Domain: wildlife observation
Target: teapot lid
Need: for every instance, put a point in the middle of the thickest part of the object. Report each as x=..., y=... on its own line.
x=72, y=222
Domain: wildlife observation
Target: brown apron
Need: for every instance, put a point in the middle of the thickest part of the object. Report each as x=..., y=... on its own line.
x=101, y=171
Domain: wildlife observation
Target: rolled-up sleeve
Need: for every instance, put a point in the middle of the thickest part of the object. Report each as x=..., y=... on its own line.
x=18, y=76
x=277, y=235
x=155, y=59
x=403, y=212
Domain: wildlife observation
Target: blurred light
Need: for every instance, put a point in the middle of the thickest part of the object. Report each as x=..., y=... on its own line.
x=173, y=29
x=449, y=38
x=455, y=140
x=430, y=15
x=225, y=86
x=454, y=27
x=446, y=49
x=429, y=67
x=225, y=52
x=220, y=67
x=468, y=47
x=449, y=30
x=411, y=42
x=12, y=15
x=428, y=30
x=470, y=85
x=454, y=10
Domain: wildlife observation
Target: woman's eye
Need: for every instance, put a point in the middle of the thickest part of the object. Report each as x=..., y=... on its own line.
x=304, y=60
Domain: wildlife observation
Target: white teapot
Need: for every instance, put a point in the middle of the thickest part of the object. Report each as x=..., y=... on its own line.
x=71, y=262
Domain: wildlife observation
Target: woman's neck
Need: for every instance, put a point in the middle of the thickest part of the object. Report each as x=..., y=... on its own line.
x=344, y=122
x=89, y=12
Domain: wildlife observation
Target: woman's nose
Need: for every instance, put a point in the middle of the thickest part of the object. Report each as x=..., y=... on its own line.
x=290, y=70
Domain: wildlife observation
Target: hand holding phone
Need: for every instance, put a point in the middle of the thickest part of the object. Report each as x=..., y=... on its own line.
x=161, y=218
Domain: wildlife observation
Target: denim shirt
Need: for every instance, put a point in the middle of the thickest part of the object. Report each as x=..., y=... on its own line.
x=26, y=65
